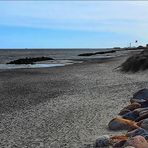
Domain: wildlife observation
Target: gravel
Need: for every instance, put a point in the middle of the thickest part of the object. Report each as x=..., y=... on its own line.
x=64, y=107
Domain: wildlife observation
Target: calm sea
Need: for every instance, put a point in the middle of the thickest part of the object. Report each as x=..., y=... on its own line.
x=7, y=55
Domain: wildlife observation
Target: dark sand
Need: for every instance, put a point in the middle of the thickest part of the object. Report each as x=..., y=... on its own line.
x=63, y=107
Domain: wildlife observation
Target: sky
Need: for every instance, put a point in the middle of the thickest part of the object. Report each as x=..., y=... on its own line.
x=73, y=24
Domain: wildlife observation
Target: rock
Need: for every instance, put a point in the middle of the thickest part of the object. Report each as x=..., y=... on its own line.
x=86, y=54
x=104, y=52
x=124, y=111
x=102, y=141
x=144, y=124
x=140, y=96
x=137, y=132
x=129, y=108
x=133, y=106
x=142, y=117
x=115, y=125
x=100, y=52
x=120, y=144
x=132, y=115
x=29, y=60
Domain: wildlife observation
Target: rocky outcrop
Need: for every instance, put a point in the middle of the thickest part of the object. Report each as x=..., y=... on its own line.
x=29, y=60
x=100, y=52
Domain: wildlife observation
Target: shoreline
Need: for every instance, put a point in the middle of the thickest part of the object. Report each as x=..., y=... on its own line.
x=63, y=107
x=4, y=64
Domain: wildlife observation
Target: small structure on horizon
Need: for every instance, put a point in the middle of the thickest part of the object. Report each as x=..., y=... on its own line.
x=130, y=45
x=140, y=47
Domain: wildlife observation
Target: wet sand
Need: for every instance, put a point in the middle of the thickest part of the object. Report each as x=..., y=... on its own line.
x=63, y=107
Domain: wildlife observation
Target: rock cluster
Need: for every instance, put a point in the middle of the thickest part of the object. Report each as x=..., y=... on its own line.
x=29, y=60
x=101, y=52
x=133, y=118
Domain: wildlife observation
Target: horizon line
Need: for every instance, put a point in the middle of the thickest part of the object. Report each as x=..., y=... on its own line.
x=58, y=48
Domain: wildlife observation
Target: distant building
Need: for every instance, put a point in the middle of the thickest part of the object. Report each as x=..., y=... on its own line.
x=140, y=47
x=146, y=45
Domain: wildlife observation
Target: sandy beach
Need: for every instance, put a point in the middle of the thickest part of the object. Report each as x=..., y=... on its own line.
x=63, y=107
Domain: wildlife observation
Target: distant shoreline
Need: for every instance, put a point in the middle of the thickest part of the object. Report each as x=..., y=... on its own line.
x=53, y=48
x=7, y=55
x=111, y=48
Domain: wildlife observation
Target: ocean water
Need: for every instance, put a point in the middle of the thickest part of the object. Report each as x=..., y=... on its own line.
x=7, y=55
x=61, y=56
x=20, y=66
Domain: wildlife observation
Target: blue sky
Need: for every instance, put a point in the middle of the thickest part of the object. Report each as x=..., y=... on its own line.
x=72, y=24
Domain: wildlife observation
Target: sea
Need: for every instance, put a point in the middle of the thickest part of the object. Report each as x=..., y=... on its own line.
x=61, y=56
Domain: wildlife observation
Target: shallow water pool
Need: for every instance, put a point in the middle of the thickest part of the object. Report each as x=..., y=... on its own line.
x=17, y=66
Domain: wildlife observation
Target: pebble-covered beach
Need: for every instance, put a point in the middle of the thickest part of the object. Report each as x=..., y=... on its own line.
x=63, y=107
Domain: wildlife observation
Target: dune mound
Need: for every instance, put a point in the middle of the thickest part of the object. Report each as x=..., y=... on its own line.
x=136, y=62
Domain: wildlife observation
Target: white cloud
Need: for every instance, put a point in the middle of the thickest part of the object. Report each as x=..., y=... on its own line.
x=126, y=17
x=76, y=10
